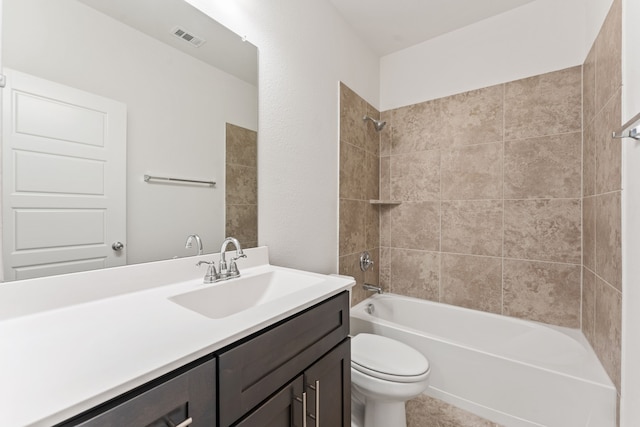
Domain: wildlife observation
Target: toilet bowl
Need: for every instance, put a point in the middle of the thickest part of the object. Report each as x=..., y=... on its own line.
x=384, y=374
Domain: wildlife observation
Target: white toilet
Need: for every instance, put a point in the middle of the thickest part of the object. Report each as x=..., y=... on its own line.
x=384, y=374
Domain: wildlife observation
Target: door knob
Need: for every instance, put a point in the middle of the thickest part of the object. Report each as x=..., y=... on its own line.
x=117, y=246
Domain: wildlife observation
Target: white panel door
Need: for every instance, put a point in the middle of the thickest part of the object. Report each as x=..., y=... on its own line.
x=64, y=178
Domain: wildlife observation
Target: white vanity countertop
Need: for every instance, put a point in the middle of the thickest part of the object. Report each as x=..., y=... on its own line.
x=62, y=360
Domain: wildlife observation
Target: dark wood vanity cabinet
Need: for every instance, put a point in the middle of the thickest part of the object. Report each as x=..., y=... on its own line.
x=184, y=398
x=314, y=345
x=324, y=388
x=255, y=369
x=298, y=368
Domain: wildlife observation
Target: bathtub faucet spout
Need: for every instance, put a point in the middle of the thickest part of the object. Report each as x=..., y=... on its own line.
x=373, y=288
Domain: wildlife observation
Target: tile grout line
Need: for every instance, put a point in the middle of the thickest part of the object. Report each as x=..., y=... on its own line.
x=488, y=200
x=440, y=290
x=582, y=290
x=388, y=212
x=379, y=208
x=503, y=140
x=597, y=276
x=504, y=108
x=594, y=207
x=566, y=263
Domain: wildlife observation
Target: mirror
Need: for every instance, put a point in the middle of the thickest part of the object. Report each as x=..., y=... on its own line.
x=181, y=92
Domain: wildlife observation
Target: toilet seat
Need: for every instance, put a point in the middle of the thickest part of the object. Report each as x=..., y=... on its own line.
x=387, y=359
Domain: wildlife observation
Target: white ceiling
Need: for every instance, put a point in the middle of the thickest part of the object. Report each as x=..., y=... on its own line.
x=391, y=25
x=223, y=49
x=385, y=25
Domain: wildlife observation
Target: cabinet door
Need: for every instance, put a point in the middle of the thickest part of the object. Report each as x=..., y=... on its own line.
x=328, y=386
x=284, y=409
x=188, y=399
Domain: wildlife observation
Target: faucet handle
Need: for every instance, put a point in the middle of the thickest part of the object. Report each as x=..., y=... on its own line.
x=211, y=275
x=233, y=269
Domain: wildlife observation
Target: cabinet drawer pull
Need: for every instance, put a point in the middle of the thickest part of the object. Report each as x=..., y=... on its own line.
x=186, y=422
x=317, y=403
x=316, y=388
x=304, y=408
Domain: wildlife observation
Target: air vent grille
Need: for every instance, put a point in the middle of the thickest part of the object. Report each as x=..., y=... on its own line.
x=188, y=36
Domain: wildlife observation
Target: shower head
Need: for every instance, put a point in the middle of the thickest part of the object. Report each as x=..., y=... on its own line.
x=379, y=124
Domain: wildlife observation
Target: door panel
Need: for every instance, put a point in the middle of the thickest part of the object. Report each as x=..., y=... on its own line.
x=52, y=119
x=56, y=228
x=64, y=187
x=51, y=180
x=53, y=268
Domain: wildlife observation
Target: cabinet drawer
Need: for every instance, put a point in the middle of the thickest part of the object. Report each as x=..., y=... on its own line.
x=253, y=370
x=188, y=395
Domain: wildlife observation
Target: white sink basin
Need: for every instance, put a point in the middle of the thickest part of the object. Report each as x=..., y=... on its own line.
x=226, y=298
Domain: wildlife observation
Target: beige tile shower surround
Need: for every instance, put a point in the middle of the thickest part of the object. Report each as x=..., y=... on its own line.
x=241, y=199
x=360, y=231
x=601, y=192
x=359, y=183
x=510, y=197
x=490, y=184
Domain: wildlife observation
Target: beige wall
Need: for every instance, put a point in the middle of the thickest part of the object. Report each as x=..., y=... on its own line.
x=602, y=271
x=241, y=198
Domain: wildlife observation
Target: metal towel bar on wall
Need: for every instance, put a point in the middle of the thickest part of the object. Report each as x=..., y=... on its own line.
x=148, y=178
x=628, y=130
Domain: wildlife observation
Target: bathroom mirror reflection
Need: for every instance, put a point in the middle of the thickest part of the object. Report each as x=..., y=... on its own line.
x=100, y=94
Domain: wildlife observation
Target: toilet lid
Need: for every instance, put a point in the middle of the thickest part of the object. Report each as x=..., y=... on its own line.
x=383, y=357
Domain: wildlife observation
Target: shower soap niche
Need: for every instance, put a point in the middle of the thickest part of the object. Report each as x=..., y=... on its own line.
x=385, y=202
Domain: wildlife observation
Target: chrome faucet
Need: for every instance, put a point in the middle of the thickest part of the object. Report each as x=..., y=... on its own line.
x=232, y=270
x=212, y=275
x=189, y=243
x=368, y=287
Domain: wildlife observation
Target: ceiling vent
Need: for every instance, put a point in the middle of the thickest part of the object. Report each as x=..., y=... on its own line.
x=188, y=36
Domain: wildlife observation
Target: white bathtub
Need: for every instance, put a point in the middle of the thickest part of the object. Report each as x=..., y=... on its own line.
x=510, y=371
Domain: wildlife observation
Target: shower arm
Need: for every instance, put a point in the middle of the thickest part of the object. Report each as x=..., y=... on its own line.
x=378, y=124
